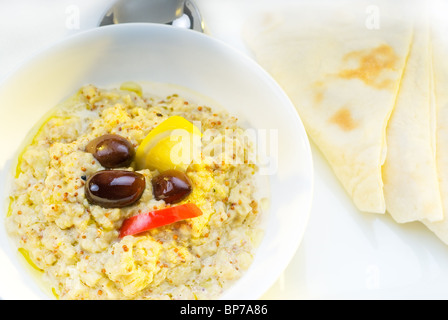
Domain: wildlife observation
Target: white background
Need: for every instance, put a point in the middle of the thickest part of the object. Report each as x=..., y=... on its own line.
x=345, y=254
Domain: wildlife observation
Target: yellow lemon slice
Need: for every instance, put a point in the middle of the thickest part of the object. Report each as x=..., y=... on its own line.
x=173, y=144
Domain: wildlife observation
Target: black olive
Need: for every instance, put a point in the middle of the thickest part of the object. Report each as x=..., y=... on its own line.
x=112, y=151
x=171, y=186
x=115, y=188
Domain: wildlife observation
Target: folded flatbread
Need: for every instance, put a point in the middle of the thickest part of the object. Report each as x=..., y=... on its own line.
x=411, y=186
x=343, y=77
x=440, y=69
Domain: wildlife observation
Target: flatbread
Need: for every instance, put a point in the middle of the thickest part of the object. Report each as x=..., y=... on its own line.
x=440, y=67
x=343, y=78
x=411, y=186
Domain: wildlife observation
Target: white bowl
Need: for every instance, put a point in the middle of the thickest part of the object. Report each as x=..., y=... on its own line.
x=164, y=54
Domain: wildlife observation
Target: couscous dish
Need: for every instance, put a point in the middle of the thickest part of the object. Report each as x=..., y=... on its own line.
x=122, y=194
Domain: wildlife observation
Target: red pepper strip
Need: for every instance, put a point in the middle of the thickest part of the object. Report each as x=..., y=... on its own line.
x=154, y=219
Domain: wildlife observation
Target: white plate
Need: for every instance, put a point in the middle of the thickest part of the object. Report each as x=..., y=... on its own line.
x=164, y=54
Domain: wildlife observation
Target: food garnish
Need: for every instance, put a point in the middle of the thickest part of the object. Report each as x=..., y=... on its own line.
x=172, y=186
x=170, y=145
x=115, y=188
x=154, y=219
x=112, y=151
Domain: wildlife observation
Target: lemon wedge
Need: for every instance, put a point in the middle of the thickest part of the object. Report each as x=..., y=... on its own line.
x=173, y=144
